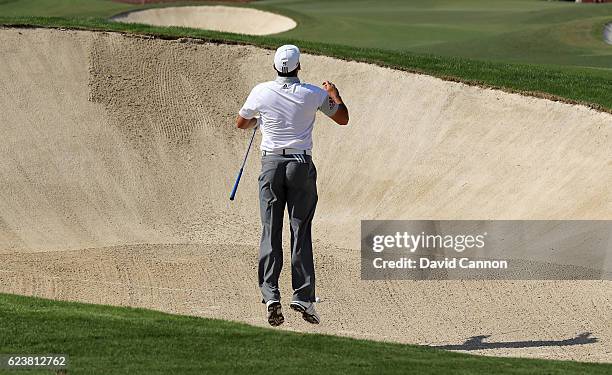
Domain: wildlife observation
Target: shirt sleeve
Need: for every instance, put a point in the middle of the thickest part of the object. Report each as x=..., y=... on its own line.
x=328, y=105
x=250, y=109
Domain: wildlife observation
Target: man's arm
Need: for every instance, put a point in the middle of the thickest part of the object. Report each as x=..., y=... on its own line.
x=243, y=123
x=247, y=116
x=341, y=117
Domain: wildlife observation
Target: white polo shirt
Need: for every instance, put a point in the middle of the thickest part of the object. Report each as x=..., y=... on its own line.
x=286, y=110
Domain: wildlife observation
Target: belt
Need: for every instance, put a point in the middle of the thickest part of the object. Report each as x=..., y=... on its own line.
x=287, y=151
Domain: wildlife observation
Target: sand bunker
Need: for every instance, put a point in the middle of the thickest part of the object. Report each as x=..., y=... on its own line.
x=220, y=18
x=118, y=154
x=607, y=33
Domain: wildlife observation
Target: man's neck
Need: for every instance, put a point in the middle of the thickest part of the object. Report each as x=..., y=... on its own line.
x=283, y=80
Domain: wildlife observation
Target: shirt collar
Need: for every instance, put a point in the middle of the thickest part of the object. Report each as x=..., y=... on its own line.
x=283, y=80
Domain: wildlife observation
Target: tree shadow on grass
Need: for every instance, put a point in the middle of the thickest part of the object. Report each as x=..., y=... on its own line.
x=478, y=343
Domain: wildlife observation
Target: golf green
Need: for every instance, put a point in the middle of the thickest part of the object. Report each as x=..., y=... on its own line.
x=529, y=31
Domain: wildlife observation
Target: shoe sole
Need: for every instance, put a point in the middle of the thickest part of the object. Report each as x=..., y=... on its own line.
x=307, y=317
x=275, y=315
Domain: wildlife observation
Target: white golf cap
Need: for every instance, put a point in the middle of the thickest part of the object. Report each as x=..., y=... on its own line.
x=287, y=58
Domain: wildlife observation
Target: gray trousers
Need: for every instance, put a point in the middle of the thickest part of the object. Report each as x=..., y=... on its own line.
x=291, y=181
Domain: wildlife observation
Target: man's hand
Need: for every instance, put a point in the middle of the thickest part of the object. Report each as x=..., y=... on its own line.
x=341, y=117
x=332, y=91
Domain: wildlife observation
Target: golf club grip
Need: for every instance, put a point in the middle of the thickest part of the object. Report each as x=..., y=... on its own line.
x=233, y=193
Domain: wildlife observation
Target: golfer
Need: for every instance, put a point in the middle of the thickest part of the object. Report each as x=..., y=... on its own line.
x=285, y=111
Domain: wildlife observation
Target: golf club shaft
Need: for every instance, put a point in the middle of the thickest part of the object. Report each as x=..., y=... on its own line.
x=235, y=188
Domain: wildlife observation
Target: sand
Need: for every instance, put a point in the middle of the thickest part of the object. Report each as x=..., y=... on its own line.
x=119, y=152
x=220, y=18
x=607, y=33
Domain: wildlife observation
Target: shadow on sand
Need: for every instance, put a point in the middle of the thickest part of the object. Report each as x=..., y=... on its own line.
x=477, y=343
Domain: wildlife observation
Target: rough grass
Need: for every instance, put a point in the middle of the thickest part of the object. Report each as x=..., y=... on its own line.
x=114, y=340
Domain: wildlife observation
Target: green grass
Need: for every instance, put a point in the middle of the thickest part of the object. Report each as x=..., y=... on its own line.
x=62, y=8
x=548, y=49
x=528, y=31
x=75, y=8
x=114, y=340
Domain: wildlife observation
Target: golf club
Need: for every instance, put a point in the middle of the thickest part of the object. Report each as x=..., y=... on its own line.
x=235, y=188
